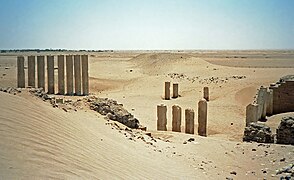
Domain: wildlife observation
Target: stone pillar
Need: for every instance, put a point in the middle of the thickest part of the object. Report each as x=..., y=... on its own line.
x=20, y=72
x=167, y=90
x=206, y=93
x=177, y=118
x=175, y=90
x=31, y=71
x=85, y=75
x=41, y=71
x=50, y=74
x=251, y=113
x=161, y=117
x=77, y=73
x=261, y=98
x=202, y=118
x=60, y=60
x=69, y=75
x=189, y=121
x=269, y=107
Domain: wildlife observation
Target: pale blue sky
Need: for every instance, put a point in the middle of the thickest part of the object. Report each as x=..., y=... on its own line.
x=142, y=24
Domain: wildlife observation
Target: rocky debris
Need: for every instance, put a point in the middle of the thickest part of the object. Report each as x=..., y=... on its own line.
x=285, y=131
x=288, y=171
x=39, y=92
x=182, y=76
x=287, y=78
x=114, y=111
x=216, y=80
x=258, y=133
x=10, y=90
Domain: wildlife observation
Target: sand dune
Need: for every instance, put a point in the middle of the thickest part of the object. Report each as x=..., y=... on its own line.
x=41, y=142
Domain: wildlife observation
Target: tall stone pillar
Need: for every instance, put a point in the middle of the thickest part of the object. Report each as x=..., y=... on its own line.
x=31, y=71
x=41, y=71
x=20, y=72
x=161, y=117
x=69, y=75
x=60, y=61
x=167, y=90
x=251, y=113
x=261, y=101
x=77, y=73
x=176, y=118
x=175, y=90
x=202, y=118
x=206, y=93
x=269, y=104
x=50, y=74
x=189, y=121
x=85, y=75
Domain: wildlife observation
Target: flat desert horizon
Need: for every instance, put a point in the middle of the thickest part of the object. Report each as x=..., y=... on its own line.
x=72, y=141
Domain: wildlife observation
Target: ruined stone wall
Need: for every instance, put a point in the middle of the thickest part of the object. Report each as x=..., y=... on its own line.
x=283, y=96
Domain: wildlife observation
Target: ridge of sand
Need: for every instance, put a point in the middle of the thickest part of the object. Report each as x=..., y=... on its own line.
x=41, y=142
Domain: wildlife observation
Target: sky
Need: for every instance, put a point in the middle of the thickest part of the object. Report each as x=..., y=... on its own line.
x=147, y=24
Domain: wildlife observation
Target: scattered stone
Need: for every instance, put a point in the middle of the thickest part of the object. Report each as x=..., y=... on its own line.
x=258, y=133
x=114, y=111
x=289, y=169
x=233, y=172
x=285, y=131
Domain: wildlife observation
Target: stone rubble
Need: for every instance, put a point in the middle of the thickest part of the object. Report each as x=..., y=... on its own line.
x=114, y=111
x=258, y=133
x=285, y=131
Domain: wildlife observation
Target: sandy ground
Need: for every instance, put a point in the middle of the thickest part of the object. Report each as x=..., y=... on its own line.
x=37, y=140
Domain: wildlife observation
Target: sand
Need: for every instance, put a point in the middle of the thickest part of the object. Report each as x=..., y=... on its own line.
x=39, y=141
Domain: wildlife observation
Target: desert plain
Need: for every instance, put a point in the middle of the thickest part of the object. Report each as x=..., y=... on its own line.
x=42, y=142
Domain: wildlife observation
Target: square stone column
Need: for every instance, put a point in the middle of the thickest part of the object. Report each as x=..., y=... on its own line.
x=175, y=90
x=77, y=73
x=41, y=71
x=161, y=117
x=31, y=71
x=251, y=113
x=167, y=90
x=60, y=60
x=20, y=72
x=189, y=121
x=206, y=93
x=177, y=118
x=202, y=118
x=69, y=75
x=50, y=74
x=85, y=75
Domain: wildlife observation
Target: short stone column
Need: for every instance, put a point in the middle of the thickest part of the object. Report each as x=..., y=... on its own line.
x=50, y=74
x=176, y=118
x=85, y=75
x=251, y=113
x=77, y=73
x=189, y=121
x=41, y=71
x=202, y=118
x=20, y=72
x=31, y=71
x=175, y=90
x=69, y=75
x=60, y=62
x=167, y=90
x=161, y=117
x=206, y=93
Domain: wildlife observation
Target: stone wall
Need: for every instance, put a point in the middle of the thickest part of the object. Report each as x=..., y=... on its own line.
x=278, y=98
x=283, y=95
